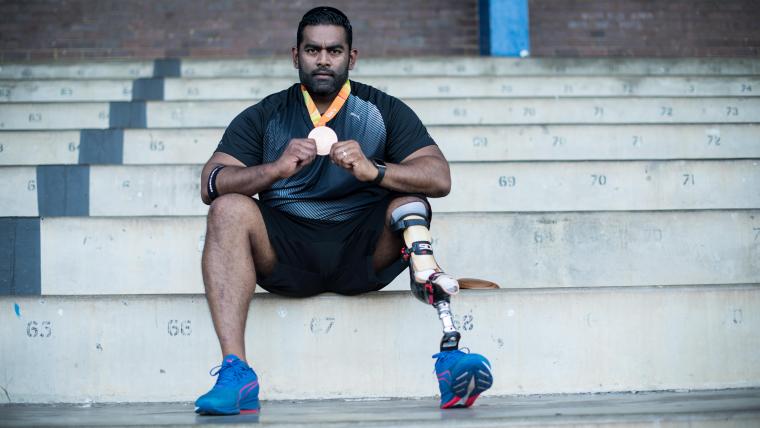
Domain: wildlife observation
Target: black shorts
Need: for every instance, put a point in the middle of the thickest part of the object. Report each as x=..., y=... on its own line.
x=315, y=257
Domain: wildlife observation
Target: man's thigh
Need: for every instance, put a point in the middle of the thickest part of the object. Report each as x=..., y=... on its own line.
x=230, y=217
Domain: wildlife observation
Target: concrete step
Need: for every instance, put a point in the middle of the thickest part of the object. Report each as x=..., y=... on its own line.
x=158, y=190
x=459, y=111
x=462, y=66
x=180, y=89
x=161, y=255
x=484, y=87
x=704, y=409
x=62, y=69
x=159, y=348
x=458, y=143
x=65, y=90
x=432, y=66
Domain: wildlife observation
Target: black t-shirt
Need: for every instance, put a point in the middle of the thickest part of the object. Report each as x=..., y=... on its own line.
x=385, y=127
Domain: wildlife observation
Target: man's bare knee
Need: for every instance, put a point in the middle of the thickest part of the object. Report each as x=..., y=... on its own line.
x=234, y=210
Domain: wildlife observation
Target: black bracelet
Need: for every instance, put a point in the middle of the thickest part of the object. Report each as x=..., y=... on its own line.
x=380, y=165
x=212, y=190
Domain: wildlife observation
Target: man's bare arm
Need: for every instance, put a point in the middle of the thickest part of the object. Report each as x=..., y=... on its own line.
x=425, y=171
x=237, y=178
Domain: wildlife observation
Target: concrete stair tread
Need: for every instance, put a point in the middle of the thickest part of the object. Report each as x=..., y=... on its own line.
x=462, y=66
x=454, y=111
x=173, y=190
x=459, y=143
x=736, y=407
x=98, y=256
x=160, y=348
x=253, y=88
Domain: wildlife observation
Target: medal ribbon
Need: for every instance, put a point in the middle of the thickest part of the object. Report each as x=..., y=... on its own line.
x=321, y=119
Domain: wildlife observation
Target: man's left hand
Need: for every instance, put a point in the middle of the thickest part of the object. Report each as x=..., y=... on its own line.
x=348, y=155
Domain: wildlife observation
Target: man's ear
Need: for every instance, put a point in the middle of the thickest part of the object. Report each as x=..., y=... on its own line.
x=294, y=52
x=352, y=56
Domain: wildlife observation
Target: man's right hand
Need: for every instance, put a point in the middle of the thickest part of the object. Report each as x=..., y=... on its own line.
x=299, y=153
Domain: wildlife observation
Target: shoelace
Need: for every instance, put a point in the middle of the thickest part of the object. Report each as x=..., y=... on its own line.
x=444, y=356
x=228, y=373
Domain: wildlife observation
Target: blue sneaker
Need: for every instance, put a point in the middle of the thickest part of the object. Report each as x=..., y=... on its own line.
x=461, y=377
x=236, y=390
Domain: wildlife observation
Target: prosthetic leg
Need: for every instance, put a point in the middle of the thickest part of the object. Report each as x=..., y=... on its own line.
x=429, y=283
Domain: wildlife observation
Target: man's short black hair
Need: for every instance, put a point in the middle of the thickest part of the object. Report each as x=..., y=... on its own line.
x=324, y=15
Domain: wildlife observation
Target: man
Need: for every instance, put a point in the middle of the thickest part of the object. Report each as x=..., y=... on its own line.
x=323, y=223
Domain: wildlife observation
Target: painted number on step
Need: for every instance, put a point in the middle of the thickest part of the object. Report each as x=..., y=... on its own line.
x=507, y=181
x=157, y=146
x=321, y=325
x=31, y=185
x=480, y=141
x=732, y=111
x=746, y=87
x=598, y=179
x=179, y=328
x=35, y=117
x=688, y=180
x=757, y=233
x=73, y=146
x=43, y=329
x=465, y=324
x=637, y=140
x=558, y=141
x=2, y=148
x=666, y=111
x=713, y=140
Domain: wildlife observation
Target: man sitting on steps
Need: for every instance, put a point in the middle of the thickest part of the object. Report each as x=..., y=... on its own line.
x=327, y=218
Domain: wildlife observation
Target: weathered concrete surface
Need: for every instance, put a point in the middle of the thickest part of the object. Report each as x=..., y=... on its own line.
x=65, y=90
x=33, y=116
x=459, y=143
x=473, y=111
x=457, y=66
x=459, y=111
x=77, y=70
x=20, y=197
x=597, y=142
x=146, y=190
x=159, y=348
x=136, y=190
x=728, y=408
x=596, y=186
x=161, y=255
x=486, y=66
x=39, y=147
x=475, y=87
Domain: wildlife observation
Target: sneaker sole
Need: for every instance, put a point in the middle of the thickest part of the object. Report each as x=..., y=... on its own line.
x=469, y=387
x=248, y=409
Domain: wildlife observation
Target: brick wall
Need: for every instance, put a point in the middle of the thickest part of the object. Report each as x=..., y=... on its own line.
x=74, y=29
x=35, y=29
x=645, y=28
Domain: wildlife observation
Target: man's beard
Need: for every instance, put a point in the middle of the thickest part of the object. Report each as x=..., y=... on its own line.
x=323, y=87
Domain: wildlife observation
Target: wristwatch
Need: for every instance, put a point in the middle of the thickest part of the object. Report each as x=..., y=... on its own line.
x=380, y=165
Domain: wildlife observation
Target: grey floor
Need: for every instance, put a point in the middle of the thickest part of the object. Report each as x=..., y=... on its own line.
x=729, y=408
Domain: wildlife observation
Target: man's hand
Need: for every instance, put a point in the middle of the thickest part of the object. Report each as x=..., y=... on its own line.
x=299, y=153
x=348, y=155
